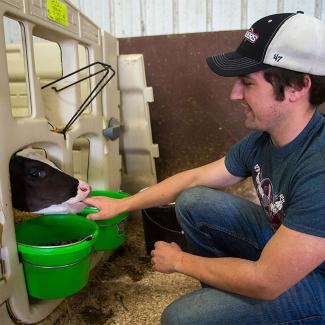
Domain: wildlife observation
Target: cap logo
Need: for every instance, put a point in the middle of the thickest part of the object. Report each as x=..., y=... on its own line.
x=277, y=57
x=251, y=36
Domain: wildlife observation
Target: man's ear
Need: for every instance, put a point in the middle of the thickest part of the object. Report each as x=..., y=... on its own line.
x=295, y=93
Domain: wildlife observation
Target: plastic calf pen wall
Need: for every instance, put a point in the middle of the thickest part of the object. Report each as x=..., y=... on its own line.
x=56, y=40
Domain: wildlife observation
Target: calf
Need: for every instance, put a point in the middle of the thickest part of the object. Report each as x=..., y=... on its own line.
x=39, y=187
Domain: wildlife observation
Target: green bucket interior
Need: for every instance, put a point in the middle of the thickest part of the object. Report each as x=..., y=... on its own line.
x=56, y=251
x=112, y=232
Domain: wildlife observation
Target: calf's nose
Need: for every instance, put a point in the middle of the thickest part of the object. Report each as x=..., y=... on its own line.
x=84, y=187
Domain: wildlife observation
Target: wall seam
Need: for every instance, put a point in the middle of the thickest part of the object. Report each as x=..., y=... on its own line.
x=280, y=7
x=243, y=22
x=209, y=15
x=175, y=17
x=318, y=8
x=112, y=25
x=143, y=17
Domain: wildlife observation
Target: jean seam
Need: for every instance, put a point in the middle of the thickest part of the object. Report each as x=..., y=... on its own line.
x=315, y=317
x=230, y=233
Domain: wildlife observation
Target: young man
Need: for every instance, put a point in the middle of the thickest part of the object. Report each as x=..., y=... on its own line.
x=258, y=264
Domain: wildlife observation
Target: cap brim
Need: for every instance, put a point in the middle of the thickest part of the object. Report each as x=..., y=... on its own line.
x=233, y=64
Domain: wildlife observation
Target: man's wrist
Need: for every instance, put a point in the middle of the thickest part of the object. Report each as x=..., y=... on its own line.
x=179, y=260
x=126, y=207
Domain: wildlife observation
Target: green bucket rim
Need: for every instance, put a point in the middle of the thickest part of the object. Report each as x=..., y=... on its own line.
x=111, y=194
x=84, y=243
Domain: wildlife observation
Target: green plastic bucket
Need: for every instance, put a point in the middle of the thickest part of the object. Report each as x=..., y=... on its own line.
x=112, y=232
x=56, y=254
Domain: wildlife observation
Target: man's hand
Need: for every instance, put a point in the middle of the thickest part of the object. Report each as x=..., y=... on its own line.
x=108, y=207
x=165, y=256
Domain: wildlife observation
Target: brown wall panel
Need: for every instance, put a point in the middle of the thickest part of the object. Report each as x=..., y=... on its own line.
x=192, y=119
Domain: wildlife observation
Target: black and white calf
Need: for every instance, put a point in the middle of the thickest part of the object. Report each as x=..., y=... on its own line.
x=38, y=186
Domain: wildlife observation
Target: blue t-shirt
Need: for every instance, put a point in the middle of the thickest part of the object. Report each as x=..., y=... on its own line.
x=289, y=181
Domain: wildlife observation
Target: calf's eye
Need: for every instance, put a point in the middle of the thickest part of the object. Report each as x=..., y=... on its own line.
x=38, y=173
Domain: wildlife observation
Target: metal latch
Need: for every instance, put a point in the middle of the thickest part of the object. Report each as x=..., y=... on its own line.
x=113, y=129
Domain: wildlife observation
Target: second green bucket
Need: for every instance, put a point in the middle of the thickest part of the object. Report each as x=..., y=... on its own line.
x=112, y=232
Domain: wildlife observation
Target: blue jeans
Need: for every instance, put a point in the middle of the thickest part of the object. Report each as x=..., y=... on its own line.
x=217, y=224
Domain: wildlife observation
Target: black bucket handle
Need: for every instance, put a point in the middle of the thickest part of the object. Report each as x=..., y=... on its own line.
x=160, y=226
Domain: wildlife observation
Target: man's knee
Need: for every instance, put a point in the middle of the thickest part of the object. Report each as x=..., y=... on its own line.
x=188, y=198
x=181, y=311
x=169, y=316
x=187, y=202
x=203, y=306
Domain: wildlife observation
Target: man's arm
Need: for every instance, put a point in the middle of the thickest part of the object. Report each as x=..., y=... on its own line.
x=213, y=175
x=286, y=259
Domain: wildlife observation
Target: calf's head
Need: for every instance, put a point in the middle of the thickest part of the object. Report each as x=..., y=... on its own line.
x=38, y=186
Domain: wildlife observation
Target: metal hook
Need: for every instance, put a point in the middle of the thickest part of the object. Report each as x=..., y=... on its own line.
x=92, y=95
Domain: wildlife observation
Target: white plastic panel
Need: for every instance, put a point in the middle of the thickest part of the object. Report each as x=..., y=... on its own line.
x=81, y=158
x=17, y=69
x=2, y=271
x=34, y=130
x=38, y=8
x=19, y=4
x=111, y=109
x=138, y=150
x=89, y=31
x=4, y=317
x=44, y=53
x=19, y=99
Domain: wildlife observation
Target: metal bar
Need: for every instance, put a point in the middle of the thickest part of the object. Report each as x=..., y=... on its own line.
x=58, y=266
x=80, y=80
x=74, y=72
x=92, y=95
x=86, y=103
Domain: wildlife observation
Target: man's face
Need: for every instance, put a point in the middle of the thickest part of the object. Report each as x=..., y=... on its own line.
x=256, y=95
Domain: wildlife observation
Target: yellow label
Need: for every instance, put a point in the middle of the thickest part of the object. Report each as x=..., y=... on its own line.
x=58, y=12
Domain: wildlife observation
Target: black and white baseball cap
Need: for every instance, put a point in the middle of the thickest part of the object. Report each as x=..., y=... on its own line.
x=293, y=41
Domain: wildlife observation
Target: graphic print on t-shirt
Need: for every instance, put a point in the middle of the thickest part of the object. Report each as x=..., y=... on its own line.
x=272, y=204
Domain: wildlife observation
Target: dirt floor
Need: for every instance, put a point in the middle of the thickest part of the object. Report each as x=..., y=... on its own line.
x=124, y=290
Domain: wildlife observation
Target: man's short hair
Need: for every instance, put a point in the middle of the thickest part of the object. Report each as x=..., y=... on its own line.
x=281, y=78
